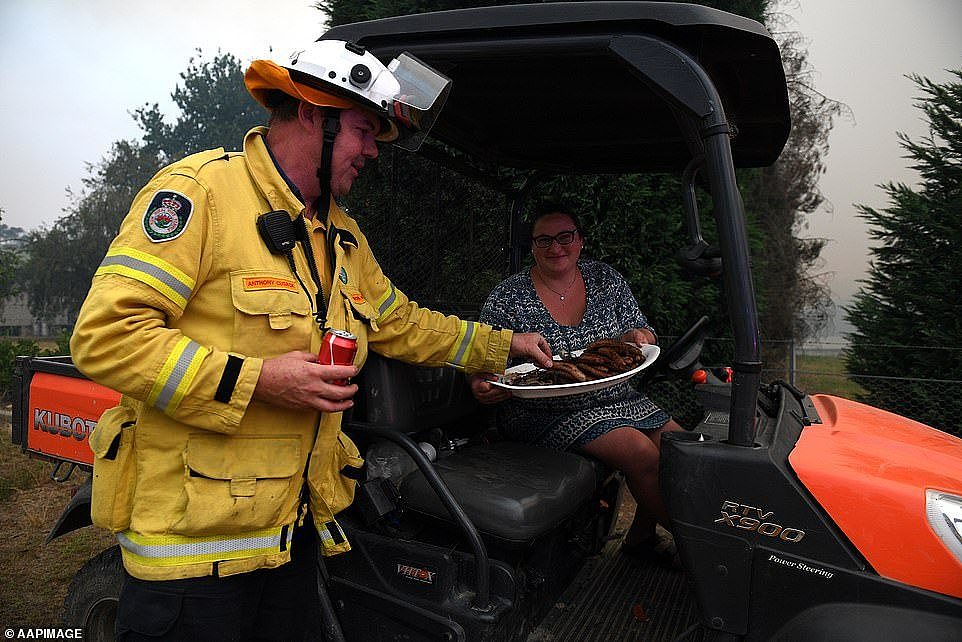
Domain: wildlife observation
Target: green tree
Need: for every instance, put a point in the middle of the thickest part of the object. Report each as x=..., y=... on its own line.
x=215, y=111
x=10, y=235
x=794, y=300
x=910, y=297
x=10, y=258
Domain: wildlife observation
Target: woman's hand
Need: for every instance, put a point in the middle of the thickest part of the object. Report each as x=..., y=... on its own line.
x=641, y=336
x=484, y=392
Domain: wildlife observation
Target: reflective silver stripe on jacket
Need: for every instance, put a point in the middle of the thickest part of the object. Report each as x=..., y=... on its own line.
x=387, y=304
x=465, y=344
x=175, y=550
x=176, y=375
x=150, y=270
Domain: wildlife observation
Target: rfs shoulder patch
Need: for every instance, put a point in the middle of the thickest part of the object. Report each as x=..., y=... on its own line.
x=167, y=216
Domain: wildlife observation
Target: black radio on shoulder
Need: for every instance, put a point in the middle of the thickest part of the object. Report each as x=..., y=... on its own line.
x=277, y=230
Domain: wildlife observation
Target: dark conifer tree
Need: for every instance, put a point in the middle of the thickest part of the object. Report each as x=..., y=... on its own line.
x=908, y=314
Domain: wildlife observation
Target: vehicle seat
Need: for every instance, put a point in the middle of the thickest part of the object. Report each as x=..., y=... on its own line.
x=511, y=491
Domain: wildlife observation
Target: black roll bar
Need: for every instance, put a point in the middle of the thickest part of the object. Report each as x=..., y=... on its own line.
x=681, y=81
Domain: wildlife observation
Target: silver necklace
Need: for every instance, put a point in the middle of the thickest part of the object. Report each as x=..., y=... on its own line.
x=564, y=292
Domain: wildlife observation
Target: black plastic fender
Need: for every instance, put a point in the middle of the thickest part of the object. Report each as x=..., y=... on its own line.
x=75, y=515
x=857, y=622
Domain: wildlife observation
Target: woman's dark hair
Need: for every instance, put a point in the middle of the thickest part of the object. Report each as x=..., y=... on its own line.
x=554, y=207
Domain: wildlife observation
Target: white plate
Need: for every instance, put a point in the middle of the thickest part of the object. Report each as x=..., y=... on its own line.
x=651, y=353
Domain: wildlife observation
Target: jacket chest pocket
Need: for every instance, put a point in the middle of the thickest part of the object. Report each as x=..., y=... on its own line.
x=272, y=315
x=240, y=483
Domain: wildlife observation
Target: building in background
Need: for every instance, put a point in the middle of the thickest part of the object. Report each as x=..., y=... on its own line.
x=16, y=320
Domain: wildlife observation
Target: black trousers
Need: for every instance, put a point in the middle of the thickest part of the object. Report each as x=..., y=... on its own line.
x=267, y=604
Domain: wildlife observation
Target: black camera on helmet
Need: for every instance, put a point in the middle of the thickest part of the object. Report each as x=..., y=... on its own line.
x=360, y=75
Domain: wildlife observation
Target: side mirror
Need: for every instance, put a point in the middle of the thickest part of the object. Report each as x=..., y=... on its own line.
x=686, y=357
x=700, y=259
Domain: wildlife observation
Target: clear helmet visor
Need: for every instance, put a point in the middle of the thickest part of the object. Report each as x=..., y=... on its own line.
x=420, y=96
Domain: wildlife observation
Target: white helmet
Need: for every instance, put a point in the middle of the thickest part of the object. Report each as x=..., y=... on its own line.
x=407, y=94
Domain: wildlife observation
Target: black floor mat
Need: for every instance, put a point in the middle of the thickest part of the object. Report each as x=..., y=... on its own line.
x=615, y=599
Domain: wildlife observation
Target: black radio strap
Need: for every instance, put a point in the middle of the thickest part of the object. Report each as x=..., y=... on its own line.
x=320, y=308
x=331, y=127
x=331, y=236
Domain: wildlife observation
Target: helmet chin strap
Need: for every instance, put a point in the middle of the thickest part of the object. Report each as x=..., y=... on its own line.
x=332, y=125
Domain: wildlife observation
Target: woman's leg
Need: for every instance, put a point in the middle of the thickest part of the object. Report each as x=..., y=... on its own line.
x=636, y=454
x=655, y=435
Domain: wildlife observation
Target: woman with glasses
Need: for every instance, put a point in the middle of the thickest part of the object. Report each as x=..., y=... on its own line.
x=573, y=302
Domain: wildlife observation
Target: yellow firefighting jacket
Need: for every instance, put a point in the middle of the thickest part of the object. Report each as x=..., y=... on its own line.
x=190, y=470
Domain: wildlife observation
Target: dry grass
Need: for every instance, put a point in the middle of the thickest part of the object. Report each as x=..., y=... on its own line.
x=34, y=576
x=827, y=375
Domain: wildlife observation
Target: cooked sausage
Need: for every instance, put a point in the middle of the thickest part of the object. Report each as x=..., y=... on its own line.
x=569, y=370
x=604, y=343
x=593, y=372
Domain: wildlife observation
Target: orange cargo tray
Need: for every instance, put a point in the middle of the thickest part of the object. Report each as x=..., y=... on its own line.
x=62, y=413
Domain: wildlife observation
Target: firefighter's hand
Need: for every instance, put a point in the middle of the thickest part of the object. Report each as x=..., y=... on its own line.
x=296, y=380
x=484, y=392
x=531, y=345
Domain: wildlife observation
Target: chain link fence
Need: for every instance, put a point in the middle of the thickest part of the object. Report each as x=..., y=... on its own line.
x=820, y=367
x=445, y=249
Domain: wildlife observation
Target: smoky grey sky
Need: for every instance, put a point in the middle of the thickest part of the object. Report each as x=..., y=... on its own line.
x=862, y=51
x=73, y=72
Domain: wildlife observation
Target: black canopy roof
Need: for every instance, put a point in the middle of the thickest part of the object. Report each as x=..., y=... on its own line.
x=539, y=86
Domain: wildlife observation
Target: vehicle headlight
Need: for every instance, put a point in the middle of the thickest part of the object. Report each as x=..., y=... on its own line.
x=944, y=512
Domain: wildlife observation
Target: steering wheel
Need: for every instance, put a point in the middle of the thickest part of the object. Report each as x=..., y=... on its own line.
x=681, y=355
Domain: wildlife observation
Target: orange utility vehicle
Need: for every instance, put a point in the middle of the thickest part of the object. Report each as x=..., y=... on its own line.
x=797, y=517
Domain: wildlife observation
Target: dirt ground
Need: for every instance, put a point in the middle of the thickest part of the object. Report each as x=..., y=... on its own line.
x=34, y=576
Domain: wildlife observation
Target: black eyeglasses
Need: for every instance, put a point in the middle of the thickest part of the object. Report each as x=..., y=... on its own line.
x=563, y=238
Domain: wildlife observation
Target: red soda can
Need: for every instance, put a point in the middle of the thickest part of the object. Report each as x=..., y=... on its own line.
x=338, y=348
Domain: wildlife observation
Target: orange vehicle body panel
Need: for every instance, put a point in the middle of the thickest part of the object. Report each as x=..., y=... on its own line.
x=63, y=411
x=869, y=469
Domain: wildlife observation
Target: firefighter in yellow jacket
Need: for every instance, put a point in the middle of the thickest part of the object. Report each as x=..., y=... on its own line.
x=207, y=314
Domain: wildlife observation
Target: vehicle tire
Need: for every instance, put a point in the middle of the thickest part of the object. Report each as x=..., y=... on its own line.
x=93, y=595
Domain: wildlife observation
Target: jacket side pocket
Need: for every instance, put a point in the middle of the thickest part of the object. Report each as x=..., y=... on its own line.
x=115, y=470
x=332, y=484
x=348, y=463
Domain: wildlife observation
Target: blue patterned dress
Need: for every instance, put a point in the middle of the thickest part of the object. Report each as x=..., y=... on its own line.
x=570, y=422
